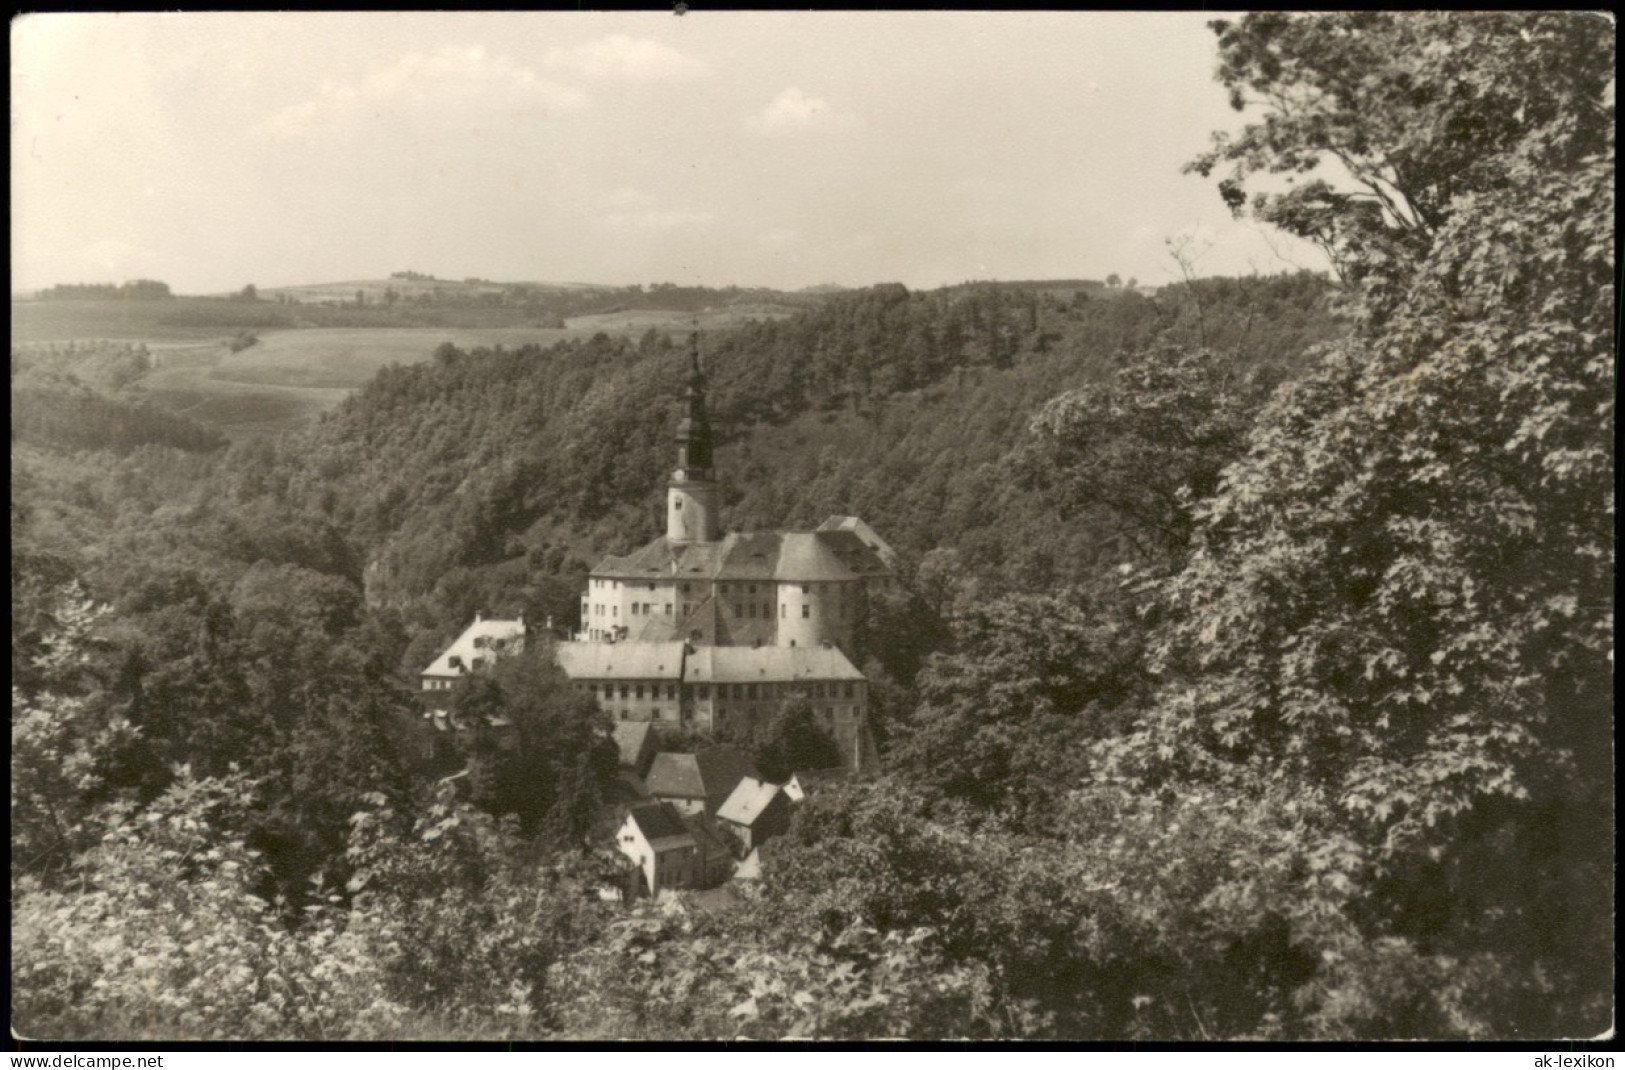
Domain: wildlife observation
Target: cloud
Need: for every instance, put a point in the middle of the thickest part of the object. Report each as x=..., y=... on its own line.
x=657, y=219
x=636, y=59
x=449, y=79
x=792, y=110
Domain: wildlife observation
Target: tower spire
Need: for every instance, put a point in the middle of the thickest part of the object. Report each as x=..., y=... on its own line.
x=692, y=499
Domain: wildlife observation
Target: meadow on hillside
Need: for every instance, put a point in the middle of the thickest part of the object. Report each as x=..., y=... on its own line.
x=293, y=371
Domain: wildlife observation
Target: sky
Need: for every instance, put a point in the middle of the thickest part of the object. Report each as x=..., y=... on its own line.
x=713, y=148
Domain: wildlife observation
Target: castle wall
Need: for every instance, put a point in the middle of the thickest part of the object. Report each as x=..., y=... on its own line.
x=812, y=613
x=693, y=511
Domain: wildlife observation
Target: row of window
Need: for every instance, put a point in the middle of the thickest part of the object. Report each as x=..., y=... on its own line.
x=741, y=692
x=437, y=685
x=647, y=609
x=725, y=716
x=722, y=588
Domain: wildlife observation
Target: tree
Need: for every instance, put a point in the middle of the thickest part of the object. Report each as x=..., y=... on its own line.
x=1148, y=445
x=1114, y=280
x=1419, y=110
x=249, y=293
x=539, y=748
x=1003, y=715
x=1392, y=602
x=795, y=740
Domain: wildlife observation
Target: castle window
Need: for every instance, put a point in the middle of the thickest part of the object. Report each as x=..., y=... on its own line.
x=624, y=692
x=704, y=691
x=753, y=610
x=783, y=609
x=668, y=609
x=752, y=589
x=750, y=690
x=615, y=611
x=638, y=691
x=685, y=588
x=806, y=611
x=806, y=588
x=849, y=689
x=685, y=609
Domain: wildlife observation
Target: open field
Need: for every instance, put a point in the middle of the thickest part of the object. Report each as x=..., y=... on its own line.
x=407, y=289
x=295, y=373
x=638, y=320
x=350, y=356
x=180, y=320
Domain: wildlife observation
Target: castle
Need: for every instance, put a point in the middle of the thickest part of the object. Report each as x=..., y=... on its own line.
x=714, y=631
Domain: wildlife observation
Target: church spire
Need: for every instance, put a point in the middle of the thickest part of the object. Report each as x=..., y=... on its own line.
x=693, y=500
x=694, y=429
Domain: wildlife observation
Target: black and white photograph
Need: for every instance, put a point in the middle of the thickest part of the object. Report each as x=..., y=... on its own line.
x=760, y=527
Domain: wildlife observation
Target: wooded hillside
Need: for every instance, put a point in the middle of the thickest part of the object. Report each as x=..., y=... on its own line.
x=1251, y=676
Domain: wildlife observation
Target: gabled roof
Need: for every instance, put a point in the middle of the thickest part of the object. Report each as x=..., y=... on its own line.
x=479, y=642
x=748, y=802
x=621, y=661
x=865, y=534
x=704, y=830
x=712, y=772
x=631, y=737
x=829, y=554
x=767, y=664
x=661, y=825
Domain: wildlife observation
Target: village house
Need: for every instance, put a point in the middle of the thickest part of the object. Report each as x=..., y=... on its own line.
x=672, y=851
x=480, y=643
x=698, y=783
x=755, y=812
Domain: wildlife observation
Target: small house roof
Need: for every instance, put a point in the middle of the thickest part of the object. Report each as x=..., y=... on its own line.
x=704, y=830
x=714, y=771
x=479, y=641
x=661, y=824
x=631, y=737
x=621, y=661
x=748, y=802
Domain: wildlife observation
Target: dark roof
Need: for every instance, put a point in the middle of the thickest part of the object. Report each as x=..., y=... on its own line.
x=779, y=556
x=712, y=772
x=703, y=828
x=659, y=821
x=631, y=737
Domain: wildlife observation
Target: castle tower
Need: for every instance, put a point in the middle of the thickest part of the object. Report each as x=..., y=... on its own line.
x=693, y=500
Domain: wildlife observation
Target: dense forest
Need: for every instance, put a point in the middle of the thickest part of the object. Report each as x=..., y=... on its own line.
x=1250, y=675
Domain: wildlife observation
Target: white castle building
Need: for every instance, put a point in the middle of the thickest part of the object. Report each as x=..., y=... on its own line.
x=718, y=631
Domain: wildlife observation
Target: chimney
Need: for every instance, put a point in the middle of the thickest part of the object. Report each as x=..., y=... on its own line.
x=478, y=616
